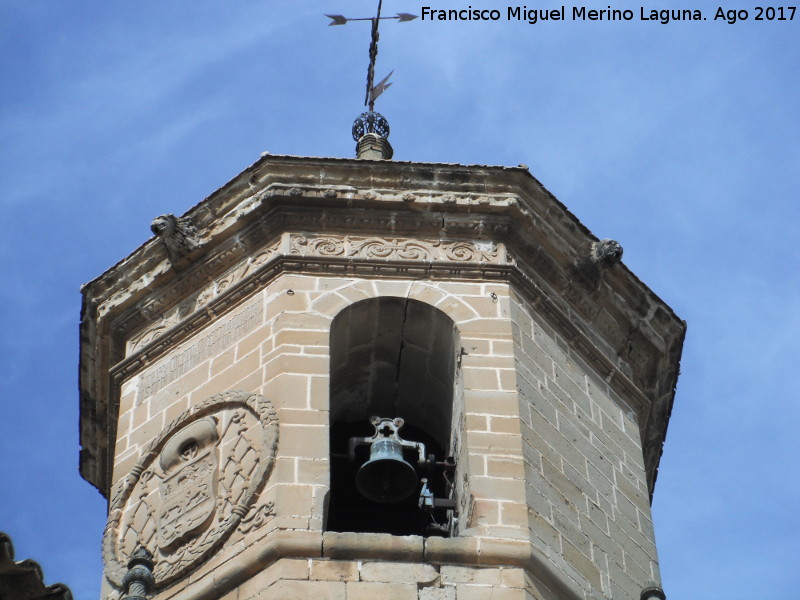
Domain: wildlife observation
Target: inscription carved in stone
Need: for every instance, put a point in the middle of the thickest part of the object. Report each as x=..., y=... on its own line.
x=210, y=343
x=195, y=484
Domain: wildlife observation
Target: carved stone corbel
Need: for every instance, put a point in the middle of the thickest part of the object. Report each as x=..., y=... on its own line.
x=605, y=253
x=179, y=237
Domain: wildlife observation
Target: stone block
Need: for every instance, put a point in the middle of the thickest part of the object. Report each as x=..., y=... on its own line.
x=309, y=441
x=123, y=466
x=302, y=337
x=505, y=467
x=632, y=493
x=477, y=464
x=473, y=592
x=504, y=425
x=495, y=551
x=484, y=512
x=282, y=303
x=452, y=574
x=399, y=572
x=544, y=531
x=376, y=546
x=477, y=422
x=222, y=361
x=334, y=570
x=579, y=478
x=514, y=514
x=293, y=320
x=582, y=563
x=508, y=379
x=486, y=328
x=250, y=343
x=288, y=391
x=481, y=379
x=502, y=347
x=371, y=590
x=293, y=416
x=560, y=482
x=622, y=585
x=487, y=362
x=313, y=472
x=484, y=306
x=389, y=287
x=479, y=347
x=491, y=403
x=148, y=430
x=442, y=551
x=293, y=500
x=433, y=593
x=297, y=363
x=319, y=393
x=492, y=488
x=285, y=568
x=495, y=443
x=307, y=590
x=330, y=304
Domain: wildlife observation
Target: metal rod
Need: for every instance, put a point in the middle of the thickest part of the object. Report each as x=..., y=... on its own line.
x=373, y=54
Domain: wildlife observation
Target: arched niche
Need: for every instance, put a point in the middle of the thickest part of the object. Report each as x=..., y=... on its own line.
x=390, y=357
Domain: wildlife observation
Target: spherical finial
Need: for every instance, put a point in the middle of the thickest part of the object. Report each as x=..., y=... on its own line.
x=370, y=122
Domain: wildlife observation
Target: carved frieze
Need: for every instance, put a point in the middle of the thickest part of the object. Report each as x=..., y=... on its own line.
x=329, y=246
x=195, y=484
x=172, y=316
x=395, y=249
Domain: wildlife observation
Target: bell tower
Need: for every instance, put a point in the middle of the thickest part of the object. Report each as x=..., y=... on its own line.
x=342, y=378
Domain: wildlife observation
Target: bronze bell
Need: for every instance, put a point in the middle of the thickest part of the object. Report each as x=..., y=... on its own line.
x=386, y=477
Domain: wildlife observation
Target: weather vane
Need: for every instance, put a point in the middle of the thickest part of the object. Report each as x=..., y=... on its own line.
x=372, y=122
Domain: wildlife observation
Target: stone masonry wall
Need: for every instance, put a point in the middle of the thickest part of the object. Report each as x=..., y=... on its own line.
x=276, y=344
x=364, y=580
x=585, y=479
x=549, y=455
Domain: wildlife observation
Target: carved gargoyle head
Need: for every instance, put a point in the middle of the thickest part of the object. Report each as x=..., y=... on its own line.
x=179, y=237
x=606, y=252
x=164, y=225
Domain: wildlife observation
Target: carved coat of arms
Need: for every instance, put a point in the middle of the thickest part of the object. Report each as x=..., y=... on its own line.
x=189, y=488
x=194, y=486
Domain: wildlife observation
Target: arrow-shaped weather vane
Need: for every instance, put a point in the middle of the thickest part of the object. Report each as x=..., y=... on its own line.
x=373, y=91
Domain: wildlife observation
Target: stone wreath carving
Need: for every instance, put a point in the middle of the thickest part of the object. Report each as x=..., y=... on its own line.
x=193, y=486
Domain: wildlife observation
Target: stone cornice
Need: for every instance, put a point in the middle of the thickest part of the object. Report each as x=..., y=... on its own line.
x=249, y=231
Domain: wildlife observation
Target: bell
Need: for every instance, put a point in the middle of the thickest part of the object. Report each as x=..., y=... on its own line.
x=386, y=477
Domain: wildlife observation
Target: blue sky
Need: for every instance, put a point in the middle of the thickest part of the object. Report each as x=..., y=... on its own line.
x=681, y=141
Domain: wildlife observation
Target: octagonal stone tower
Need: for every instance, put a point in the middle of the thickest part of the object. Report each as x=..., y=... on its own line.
x=238, y=370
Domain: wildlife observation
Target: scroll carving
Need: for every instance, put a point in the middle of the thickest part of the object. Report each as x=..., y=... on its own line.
x=195, y=484
x=392, y=249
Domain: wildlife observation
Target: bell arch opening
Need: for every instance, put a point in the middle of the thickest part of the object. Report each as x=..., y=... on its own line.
x=393, y=382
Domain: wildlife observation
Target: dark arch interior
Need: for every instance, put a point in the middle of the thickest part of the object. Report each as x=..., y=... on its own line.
x=390, y=357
